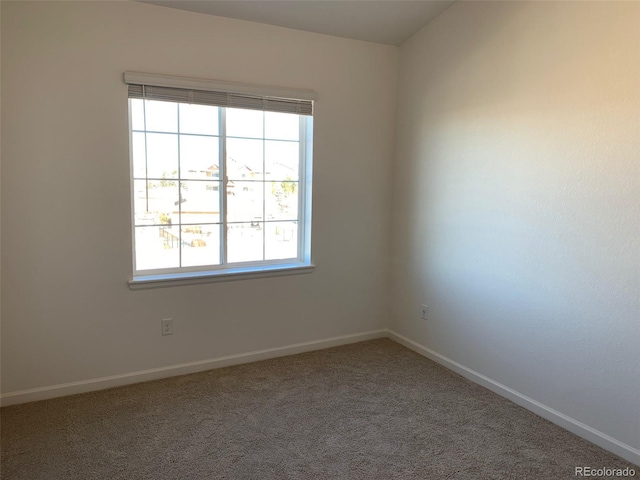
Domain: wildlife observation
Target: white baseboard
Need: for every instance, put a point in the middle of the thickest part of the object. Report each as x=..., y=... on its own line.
x=585, y=431
x=83, y=386
x=588, y=433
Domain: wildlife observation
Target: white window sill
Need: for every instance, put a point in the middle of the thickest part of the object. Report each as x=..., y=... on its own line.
x=194, y=278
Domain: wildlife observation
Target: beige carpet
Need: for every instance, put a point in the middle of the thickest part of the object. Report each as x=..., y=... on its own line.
x=372, y=410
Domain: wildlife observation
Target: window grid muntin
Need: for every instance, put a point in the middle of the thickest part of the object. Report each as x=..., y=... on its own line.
x=239, y=222
x=264, y=192
x=234, y=137
x=222, y=169
x=179, y=189
x=146, y=150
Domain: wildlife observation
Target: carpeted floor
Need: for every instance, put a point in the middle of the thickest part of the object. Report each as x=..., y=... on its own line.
x=372, y=410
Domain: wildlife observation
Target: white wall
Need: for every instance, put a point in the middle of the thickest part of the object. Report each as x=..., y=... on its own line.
x=517, y=201
x=515, y=209
x=67, y=313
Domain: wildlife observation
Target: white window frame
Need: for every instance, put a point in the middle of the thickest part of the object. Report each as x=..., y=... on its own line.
x=249, y=95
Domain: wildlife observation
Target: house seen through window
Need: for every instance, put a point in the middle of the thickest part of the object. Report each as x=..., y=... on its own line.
x=215, y=186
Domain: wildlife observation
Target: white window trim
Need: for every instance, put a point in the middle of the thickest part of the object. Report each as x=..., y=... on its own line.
x=250, y=270
x=142, y=282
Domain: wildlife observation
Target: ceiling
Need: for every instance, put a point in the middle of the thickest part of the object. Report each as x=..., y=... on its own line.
x=382, y=21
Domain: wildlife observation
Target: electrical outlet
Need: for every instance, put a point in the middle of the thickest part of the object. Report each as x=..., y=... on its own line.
x=425, y=311
x=167, y=326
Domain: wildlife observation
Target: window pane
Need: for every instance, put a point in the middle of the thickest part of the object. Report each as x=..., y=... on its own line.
x=281, y=240
x=281, y=126
x=244, y=123
x=281, y=200
x=199, y=157
x=177, y=185
x=201, y=119
x=137, y=114
x=162, y=155
x=245, y=242
x=244, y=201
x=157, y=247
x=281, y=160
x=138, y=154
x=244, y=159
x=156, y=202
x=200, y=202
x=200, y=245
x=161, y=116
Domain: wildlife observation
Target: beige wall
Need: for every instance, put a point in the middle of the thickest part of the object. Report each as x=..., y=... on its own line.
x=68, y=314
x=517, y=201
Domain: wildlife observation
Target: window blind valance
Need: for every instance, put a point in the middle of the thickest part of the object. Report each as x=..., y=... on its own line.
x=219, y=94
